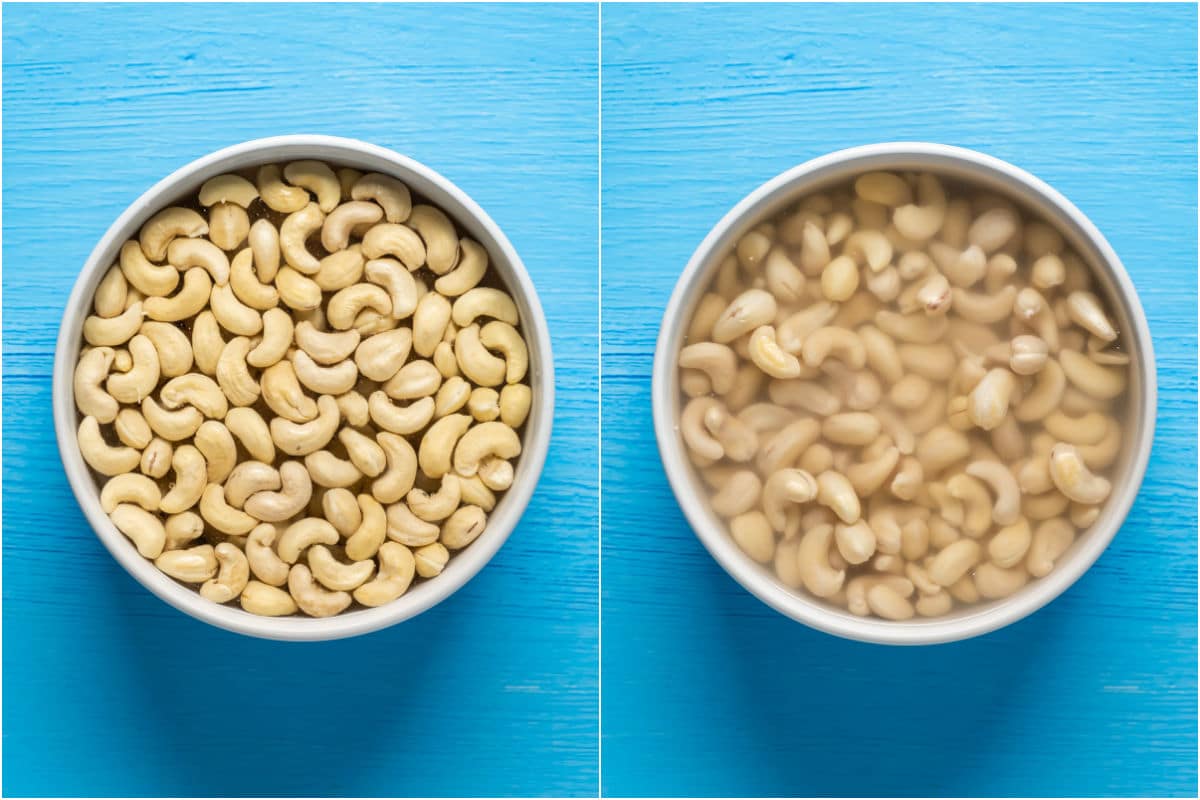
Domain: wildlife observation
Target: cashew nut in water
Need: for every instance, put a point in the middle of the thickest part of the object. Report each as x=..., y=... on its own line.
x=974, y=383
x=214, y=348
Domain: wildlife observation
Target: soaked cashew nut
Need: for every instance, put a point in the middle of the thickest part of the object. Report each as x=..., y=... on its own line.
x=784, y=488
x=988, y=402
x=1072, y=477
x=1098, y=381
x=954, y=561
x=1050, y=540
x=841, y=343
x=812, y=558
x=836, y=493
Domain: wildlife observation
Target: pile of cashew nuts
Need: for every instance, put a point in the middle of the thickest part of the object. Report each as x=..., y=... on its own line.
x=904, y=395
x=301, y=391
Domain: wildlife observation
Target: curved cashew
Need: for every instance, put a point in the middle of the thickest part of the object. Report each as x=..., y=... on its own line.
x=278, y=195
x=196, y=390
x=293, y=238
x=431, y=560
x=984, y=307
x=326, y=347
x=194, y=565
x=1072, y=477
x=1098, y=381
x=392, y=195
x=995, y=582
x=1104, y=452
x=851, y=428
x=400, y=285
x=233, y=374
x=99, y=455
x=282, y=393
x=813, y=560
x=233, y=314
x=401, y=472
x=407, y=528
x=354, y=409
x=340, y=269
x=484, y=404
x=475, y=361
x=330, y=471
x=247, y=478
x=915, y=328
x=215, y=441
x=1086, y=429
x=275, y=341
x=249, y=428
x=717, y=361
x=484, y=302
x=233, y=575
x=463, y=527
x=172, y=350
x=516, y=399
x=441, y=240
x=130, y=488
x=839, y=279
x=396, y=419
x=438, y=445
x=228, y=188
x=335, y=232
x=335, y=575
x=264, y=245
x=184, y=254
x=207, y=343
x=331, y=380
x=398, y=241
x=768, y=356
x=152, y=280
x=345, y=305
x=132, y=429
x=737, y=495
x=266, y=565
x=472, y=264
x=439, y=505
x=311, y=598
x=415, y=380
x=475, y=493
x=1045, y=396
x=367, y=456
x=364, y=542
x=160, y=230
x=396, y=568
x=992, y=229
x=156, y=458
x=261, y=502
x=504, y=338
x=783, y=488
x=922, y=220
x=265, y=600
x=869, y=247
x=111, y=294
x=1010, y=544
x=90, y=373
x=835, y=492
x=318, y=178
x=841, y=343
x=296, y=291
x=867, y=477
x=300, y=535
x=342, y=510
x=749, y=310
x=796, y=327
x=753, y=535
x=884, y=188
x=246, y=286
x=940, y=447
x=113, y=331
x=187, y=302
x=954, y=561
x=1051, y=539
x=302, y=438
x=976, y=504
x=429, y=323
x=141, y=527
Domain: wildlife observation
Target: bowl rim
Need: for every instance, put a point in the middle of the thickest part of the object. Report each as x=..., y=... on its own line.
x=811, y=611
x=536, y=438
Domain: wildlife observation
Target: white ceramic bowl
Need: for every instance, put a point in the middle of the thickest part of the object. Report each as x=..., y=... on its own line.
x=183, y=183
x=979, y=170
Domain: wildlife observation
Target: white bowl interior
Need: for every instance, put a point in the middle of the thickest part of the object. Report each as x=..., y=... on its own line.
x=504, y=260
x=977, y=170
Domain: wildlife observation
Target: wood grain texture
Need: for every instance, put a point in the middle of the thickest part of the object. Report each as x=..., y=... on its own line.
x=108, y=691
x=706, y=690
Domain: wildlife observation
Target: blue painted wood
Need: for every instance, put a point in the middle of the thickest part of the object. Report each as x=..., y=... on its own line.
x=107, y=691
x=707, y=691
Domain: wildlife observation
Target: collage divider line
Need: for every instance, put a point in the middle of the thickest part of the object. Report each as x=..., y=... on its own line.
x=599, y=398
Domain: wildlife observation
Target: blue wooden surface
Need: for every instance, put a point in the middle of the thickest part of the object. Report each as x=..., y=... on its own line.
x=108, y=691
x=707, y=691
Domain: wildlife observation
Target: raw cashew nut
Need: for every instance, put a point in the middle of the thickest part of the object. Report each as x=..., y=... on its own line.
x=194, y=565
x=172, y=346
x=302, y=438
x=481, y=441
x=989, y=401
x=233, y=373
x=130, y=488
x=260, y=554
x=391, y=195
x=954, y=561
x=335, y=232
x=90, y=374
x=246, y=285
x=276, y=339
x=472, y=264
x=191, y=478
x=345, y=305
x=232, y=576
x=396, y=419
x=141, y=527
x=161, y=229
x=365, y=541
x=396, y=569
x=266, y=600
x=318, y=178
x=463, y=527
x=188, y=253
x=1098, y=381
x=292, y=497
x=278, y=195
x=332, y=380
x=441, y=240
x=293, y=235
x=399, y=241
x=438, y=446
x=504, y=339
x=311, y=598
x=326, y=347
x=407, y=528
x=330, y=471
x=367, y=456
x=401, y=472
x=221, y=515
x=333, y=574
x=228, y=188
x=152, y=280
x=113, y=331
x=101, y=456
